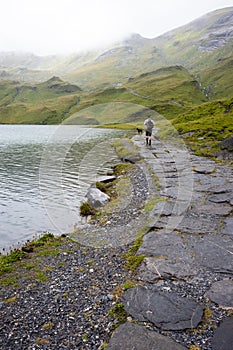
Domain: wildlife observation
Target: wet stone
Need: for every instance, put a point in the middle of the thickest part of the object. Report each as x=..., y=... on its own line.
x=153, y=269
x=164, y=244
x=132, y=336
x=223, y=336
x=214, y=252
x=221, y=197
x=228, y=227
x=202, y=169
x=221, y=293
x=167, y=311
x=192, y=224
x=220, y=209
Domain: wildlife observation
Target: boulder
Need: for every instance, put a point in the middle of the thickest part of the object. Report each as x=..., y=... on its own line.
x=96, y=198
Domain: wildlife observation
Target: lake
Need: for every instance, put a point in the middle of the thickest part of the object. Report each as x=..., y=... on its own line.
x=45, y=172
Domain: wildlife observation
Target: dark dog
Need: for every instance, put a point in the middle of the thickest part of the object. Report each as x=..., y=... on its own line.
x=139, y=131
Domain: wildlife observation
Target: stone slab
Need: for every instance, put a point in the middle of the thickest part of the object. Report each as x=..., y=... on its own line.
x=223, y=336
x=192, y=224
x=221, y=293
x=167, y=311
x=214, y=252
x=221, y=197
x=153, y=269
x=162, y=243
x=204, y=169
x=220, y=209
x=130, y=336
x=228, y=227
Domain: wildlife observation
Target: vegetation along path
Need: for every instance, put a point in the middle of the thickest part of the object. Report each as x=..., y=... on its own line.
x=72, y=293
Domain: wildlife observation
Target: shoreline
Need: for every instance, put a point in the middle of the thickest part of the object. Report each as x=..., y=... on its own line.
x=88, y=292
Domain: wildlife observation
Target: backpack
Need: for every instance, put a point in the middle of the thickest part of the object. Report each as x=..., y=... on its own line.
x=149, y=124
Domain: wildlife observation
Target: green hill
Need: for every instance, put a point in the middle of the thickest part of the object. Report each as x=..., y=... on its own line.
x=45, y=103
x=184, y=75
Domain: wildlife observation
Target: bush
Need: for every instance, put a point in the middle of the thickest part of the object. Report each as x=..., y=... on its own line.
x=86, y=209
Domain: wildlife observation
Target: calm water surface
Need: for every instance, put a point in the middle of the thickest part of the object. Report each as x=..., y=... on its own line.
x=45, y=172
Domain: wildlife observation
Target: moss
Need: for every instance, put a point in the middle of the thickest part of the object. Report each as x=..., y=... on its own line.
x=41, y=277
x=48, y=325
x=7, y=261
x=133, y=260
x=118, y=312
x=11, y=300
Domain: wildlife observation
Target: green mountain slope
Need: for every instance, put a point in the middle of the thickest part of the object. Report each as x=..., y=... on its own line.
x=45, y=103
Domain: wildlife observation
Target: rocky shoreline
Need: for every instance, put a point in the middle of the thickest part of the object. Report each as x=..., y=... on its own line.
x=182, y=294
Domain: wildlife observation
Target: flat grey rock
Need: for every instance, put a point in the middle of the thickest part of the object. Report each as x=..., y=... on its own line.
x=223, y=336
x=153, y=269
x=167, y=311
x=228, y=227
x=162, y=243
x=106, y=178
x=130, y=336
x=209, y=208
x=189, y=224
x=221, y=293
x=221, y=197
x=204, y=169
x=214, y=252
x=168, y=208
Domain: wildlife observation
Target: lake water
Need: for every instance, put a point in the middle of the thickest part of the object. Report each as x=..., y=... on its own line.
x=45, y=172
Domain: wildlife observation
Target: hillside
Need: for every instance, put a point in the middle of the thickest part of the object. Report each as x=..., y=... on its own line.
x=185, y=73
x=44, y=103
x=197, y=46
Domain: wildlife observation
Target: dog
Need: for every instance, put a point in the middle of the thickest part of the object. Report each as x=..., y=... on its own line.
x=139, y=131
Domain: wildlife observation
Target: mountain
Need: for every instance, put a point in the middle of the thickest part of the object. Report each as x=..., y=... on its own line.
x=198, y=46
x=170, y=74
x=49, y=102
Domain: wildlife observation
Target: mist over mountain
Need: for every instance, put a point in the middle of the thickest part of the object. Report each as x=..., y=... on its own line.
x=196, y=46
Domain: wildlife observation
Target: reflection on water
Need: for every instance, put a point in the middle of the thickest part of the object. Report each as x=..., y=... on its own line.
x=44, y=175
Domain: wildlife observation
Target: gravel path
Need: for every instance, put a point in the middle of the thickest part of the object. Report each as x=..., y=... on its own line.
x=70, y=309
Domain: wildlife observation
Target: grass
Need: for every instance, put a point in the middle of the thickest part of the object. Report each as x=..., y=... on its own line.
x=132, y=259
x=18, y=264
x=206, y=125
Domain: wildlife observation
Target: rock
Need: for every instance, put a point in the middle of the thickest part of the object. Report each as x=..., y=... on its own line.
x=221, y=293
x=106, y=178
x=228, y=227
x=214, y=252
x=221, y=197
x=202, y=169
x=96, y=198
x=209, y=208
x=167, y=311
x=223, y=336
x=227, y=143
x=188, y=224
x=166, y=244
x=153, y=269
x=132, y=336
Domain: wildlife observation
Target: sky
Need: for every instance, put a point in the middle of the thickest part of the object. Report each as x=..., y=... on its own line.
x=46, y=27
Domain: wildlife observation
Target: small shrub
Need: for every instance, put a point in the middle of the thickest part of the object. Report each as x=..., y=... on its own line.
x=86, y=209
